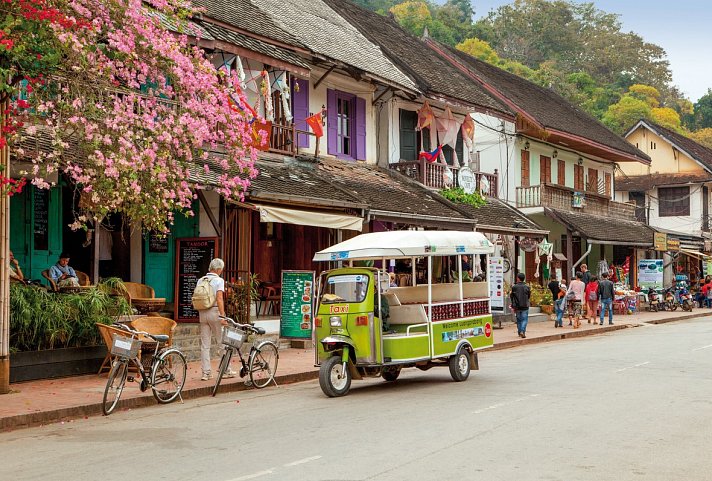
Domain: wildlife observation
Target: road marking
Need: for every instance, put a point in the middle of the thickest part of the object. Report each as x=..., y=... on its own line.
x=499, y=405
x=635, y=365
x=302, y=461
x=253, y=475
x=703, y=347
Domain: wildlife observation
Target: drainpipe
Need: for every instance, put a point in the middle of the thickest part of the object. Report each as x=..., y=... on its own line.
x=588, y=251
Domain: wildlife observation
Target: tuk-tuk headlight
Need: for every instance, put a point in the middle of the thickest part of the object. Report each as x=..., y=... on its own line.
x=335, y=321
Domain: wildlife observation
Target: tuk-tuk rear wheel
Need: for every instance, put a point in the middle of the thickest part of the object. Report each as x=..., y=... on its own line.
x=460, y=365
x=333, y=379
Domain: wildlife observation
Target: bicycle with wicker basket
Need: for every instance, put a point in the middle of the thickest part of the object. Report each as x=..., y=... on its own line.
x=261, y=362
x=165, y=374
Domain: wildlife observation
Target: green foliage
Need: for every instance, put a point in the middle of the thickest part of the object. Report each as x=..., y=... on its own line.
x=458, y=195
x=46, y=320
x=541, y=296
x=623, y=115
x=703, y=111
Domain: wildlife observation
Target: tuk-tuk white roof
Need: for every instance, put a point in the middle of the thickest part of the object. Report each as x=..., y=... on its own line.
x=407, y=243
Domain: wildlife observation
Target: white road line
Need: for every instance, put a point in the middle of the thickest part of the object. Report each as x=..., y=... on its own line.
x=635, y=365
x=253, y=475
x=302, y=461
x=499, y=405
x=703, y=347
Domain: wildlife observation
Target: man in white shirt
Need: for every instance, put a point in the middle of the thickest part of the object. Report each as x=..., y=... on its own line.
x=210, y=324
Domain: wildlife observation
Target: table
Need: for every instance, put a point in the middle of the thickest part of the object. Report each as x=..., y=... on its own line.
x=144, y=305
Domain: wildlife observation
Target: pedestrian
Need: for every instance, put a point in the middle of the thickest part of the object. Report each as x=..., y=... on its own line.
x=575, y=300
x=708, y=294
x=586, y=274
x=209, y=300
x=520, y=303
x=591, y=295
x=560, y=303
x=605, y=295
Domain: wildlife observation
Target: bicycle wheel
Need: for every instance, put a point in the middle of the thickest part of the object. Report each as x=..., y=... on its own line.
x=168, y=375
x=263, y=363
x=114, y=386
x=224, y=364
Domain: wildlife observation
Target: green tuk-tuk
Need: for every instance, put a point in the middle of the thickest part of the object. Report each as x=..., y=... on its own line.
x=364, y=327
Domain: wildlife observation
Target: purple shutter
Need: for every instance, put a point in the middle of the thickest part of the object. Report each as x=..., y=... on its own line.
x=360, y=123
x=300, y=110
x=331, y=127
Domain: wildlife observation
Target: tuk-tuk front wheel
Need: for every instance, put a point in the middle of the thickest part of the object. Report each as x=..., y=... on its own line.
x=334, y=380
x=460, y=365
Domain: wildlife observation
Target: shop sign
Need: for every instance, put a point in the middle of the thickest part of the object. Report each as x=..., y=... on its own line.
x=660, y=241
x=496, y=282
x=528, y=244
x=297, y=304
x=673, y=245
x=466, y=180
x=578, y=200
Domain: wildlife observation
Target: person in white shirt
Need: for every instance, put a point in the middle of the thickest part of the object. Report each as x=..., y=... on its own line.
x=210, y=325
x=577, y=287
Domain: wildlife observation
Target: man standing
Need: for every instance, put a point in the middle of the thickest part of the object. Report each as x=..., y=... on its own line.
x=520, y=303
x=586, y=274
x=605, y=294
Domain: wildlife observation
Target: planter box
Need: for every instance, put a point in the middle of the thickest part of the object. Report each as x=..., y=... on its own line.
x=547, y=309
x=53, y=363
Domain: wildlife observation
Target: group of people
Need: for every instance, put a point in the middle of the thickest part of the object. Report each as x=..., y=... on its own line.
x=582, y=298
x=61, y=273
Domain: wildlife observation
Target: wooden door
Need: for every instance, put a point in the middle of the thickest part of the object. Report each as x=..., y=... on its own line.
x=544, y=169
x=525, y=168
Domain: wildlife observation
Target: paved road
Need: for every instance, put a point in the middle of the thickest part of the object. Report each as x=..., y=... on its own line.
x=636, y=405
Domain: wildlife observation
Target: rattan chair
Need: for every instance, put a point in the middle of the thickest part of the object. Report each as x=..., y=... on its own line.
x=52, y=284
x=83, y=278
x=155, y=325
x=134, y=289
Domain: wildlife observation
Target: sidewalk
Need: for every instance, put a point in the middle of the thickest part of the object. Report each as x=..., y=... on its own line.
x=42, y=402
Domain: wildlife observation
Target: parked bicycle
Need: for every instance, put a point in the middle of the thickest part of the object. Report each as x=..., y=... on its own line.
x=167, y=369
x=263, y=358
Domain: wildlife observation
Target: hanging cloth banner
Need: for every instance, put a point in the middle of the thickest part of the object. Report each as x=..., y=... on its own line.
x=316, y=124
x=545, y=248
x=279, y=84
x=468, y=133
x=267, y=96
x=425, y=116
x=448, y=128
x=240, y=72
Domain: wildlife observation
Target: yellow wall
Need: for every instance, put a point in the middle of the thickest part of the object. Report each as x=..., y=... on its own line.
x=665, y=159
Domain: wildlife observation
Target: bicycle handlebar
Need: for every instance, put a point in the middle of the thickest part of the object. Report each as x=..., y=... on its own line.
x=155, y=337
x=247, y=327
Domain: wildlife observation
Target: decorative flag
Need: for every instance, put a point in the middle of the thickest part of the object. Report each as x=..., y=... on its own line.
x=266, y=92
x=468, y=132
x=431, y=156
x=425, y=116
x=240, y=72
x=279, y=84
x=260, y=134
x=316, y=125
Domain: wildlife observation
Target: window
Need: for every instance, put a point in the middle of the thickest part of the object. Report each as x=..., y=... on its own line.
x=592, y=180
x=673, y=201
x=412, y=141
x=344, y=113
x=544, y=169
x=639, y=199
x=561, y=172
x=346, y=125
x=351, y=288
x=525, y=168
x=578, y=178
x=447, y=151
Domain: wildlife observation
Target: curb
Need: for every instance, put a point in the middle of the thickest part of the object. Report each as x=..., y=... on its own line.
x=557, y=337
x=75, y=412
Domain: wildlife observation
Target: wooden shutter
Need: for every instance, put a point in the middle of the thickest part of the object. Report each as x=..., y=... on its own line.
x=561, y=172
x=459, y=148
x=360, y=130
x=544, y=169
x=332, y=136
x=300, y=110
x=408, y=136
x=525, y=168
x=592, y=180
x=607, y=188
x=578, y=178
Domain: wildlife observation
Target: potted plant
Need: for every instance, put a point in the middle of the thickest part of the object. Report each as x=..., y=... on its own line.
x=547, y=303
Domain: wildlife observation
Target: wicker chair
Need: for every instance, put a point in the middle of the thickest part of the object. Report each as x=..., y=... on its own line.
x=155, y=325
x=83, y=278
x=143, y=297
x=106, y=331
x=134, y=289
x=52, y=284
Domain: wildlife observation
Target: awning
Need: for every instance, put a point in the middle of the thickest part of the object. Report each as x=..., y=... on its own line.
x=699, y=255
x=312, y=218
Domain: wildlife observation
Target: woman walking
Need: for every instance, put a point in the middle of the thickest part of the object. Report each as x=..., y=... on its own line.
x=592, y=300
x=560, y=304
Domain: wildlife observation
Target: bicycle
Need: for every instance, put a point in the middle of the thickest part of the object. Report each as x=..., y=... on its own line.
x=263, y=358
x=167, y=371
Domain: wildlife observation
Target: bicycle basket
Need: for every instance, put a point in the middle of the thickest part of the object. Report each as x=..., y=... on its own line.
x=124, y=346
x=232, y=336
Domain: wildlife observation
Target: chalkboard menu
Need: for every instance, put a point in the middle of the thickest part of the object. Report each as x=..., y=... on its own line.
x=193, y=256
x=157, y=242
x=297, y=305
x=40, y=227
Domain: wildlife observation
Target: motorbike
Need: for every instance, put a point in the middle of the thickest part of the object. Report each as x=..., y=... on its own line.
x=685, y=299
x=669, y=299
x=654, y=300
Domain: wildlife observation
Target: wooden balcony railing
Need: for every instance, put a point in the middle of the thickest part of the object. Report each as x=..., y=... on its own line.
x=560, y=197
x=432, y=175
x=282, y=139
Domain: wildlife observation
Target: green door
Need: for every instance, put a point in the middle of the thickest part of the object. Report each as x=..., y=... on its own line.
x=159, y=267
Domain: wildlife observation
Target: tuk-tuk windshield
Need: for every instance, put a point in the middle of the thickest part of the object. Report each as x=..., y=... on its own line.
x=345, y=288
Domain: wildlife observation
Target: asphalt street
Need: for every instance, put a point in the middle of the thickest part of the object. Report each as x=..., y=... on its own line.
x=634, y=405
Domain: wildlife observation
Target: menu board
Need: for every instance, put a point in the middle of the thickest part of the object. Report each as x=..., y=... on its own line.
x=297, y=304
x=40, y=226
x=193, y=256
x=157, y=242
x=496, y=282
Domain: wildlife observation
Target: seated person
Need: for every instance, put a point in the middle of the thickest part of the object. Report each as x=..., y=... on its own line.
x=16, y=274
x=392, y=279
x=62, y=274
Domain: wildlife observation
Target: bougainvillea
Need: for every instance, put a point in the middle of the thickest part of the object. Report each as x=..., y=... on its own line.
x=116, y=95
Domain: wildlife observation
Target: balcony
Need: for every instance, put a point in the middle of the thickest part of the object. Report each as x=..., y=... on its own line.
x=432, y=175
x=564, y=198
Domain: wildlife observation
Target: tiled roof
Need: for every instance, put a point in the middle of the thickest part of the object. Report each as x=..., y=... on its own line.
x=699, y=152
x=544, y=105
x=432, y=73
x=327, y=34
x=254, y=44
x=246, y=16
x=642, y=183
x=498, y=216
x=605, y=229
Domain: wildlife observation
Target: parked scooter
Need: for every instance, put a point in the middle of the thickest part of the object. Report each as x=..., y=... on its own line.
x=685, y=298
x=654, y=300
x=669, y=299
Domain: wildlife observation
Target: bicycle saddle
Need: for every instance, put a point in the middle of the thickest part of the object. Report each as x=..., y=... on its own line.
x=160, y=337
x=260, y=330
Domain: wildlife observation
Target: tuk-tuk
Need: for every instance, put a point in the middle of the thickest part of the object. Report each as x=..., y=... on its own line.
x=364, y=327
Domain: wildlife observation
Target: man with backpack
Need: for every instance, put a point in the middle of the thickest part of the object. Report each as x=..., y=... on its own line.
x=209, y=300
x=520, y=303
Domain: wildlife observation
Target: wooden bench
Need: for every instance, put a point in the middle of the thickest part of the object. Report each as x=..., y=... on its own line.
x=440, y=292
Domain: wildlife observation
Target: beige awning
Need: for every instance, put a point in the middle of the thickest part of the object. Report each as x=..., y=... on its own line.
x=699, y=255
x=312, y=218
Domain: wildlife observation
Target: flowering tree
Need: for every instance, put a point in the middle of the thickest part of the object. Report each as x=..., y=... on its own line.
x=130, y=106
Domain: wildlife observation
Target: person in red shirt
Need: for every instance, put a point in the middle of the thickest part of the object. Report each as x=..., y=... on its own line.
x=591, y=295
